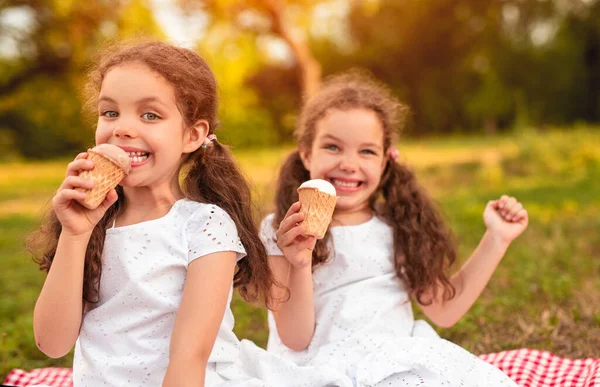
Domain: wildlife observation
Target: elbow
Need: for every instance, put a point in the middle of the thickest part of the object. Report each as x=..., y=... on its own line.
x=445, y=322
x=296, y=342
x=52, y=343
x=295, y=334
x=52, y=340
x=296, y=345
x=52, y=349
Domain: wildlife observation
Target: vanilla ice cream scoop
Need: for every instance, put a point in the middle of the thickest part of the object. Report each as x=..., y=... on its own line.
x=321, y=185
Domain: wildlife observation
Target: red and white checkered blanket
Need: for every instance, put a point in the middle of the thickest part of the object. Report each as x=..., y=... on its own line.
x=527, y=367
x=533, y=368
x=54, y=377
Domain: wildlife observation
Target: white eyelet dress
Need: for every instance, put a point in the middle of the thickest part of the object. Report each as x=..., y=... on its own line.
x=364, y=321
x=125, y=337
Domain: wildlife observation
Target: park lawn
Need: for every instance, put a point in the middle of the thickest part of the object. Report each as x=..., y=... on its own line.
x=545, y=293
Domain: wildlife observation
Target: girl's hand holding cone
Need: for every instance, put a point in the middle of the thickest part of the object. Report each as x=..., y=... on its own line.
x=74, y=218
x=291, y=239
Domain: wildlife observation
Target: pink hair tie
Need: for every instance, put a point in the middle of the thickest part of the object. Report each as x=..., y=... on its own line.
x=393, y=152
x=209, y=139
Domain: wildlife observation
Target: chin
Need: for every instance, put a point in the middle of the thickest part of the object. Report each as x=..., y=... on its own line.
x=344, y=204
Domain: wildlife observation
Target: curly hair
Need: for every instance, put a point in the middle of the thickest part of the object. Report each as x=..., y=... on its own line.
x=210, y=173
x=424, y=247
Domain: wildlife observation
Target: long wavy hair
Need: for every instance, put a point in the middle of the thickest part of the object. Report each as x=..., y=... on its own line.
x=210, y=173
x=424, y=247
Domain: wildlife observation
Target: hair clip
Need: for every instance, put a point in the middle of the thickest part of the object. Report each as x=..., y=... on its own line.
x=210, y=138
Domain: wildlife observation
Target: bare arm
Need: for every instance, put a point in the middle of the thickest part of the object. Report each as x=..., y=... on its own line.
x=58, y=311
x=294, y=316
x=199, y=317
x=505, y=220
x=59, y=308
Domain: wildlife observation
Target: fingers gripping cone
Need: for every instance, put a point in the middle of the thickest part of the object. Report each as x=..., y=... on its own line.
x=318, y=202
x=111, y=165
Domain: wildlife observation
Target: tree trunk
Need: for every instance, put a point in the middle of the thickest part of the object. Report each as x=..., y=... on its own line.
x=308, y=67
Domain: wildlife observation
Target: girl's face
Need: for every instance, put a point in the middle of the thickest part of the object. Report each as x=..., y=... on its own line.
x=137, y=111
x=348, y=152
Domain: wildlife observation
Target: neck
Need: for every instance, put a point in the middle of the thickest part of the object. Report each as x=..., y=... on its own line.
x=351, y=217
x=145, y=203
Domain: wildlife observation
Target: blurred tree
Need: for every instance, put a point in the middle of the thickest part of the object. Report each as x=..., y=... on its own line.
x=470, y=65
x=279, y=72
x=53, y=41
x=428, y=51
x=233, y=56
x=269, y=17
x=279, y=92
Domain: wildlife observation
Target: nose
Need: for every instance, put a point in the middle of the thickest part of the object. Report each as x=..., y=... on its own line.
x=122, y=131
x=348, y=163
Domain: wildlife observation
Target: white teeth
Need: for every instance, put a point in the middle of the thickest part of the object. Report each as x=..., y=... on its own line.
x=138, y=157
x=345, y=184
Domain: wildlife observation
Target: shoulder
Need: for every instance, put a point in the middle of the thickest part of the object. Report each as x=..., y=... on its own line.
x=268, y=232
x=209, y=229
x=193, y=212
x=268, y=221
x=268, y=228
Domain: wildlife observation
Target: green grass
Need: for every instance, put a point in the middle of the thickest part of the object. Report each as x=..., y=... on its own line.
x=545, y=294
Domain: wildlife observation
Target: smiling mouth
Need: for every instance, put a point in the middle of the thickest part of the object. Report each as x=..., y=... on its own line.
x=345, y=184
x=138, y=157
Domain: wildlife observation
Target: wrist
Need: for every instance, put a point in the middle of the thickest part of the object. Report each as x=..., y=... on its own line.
x=302, y=269
x=496, y=239
x=70, y=237
x=302, y=261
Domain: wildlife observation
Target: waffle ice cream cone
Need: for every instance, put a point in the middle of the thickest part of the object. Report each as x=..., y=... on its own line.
x=318, y=200
x=111, y=165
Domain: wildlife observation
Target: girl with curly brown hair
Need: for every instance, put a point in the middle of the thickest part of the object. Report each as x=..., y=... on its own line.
x=141, y=285
x=348, y=300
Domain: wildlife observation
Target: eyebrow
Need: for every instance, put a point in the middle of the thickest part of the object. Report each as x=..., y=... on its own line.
x=368, y=144
x=139, y=101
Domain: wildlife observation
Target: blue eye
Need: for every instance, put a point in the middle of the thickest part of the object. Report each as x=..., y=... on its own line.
x=150, y=116
x=110, y=114
x=331, y=147
x=368, y=152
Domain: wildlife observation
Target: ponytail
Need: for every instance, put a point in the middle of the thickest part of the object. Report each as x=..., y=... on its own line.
x=291, y=175
x=213, y=177
x=424, y=247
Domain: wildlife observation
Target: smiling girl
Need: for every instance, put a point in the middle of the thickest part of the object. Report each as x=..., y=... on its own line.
x=141, y=285
x=350, y=296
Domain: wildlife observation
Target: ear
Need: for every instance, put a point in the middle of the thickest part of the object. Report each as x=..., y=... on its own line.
x=305, y=157
x=195, y=135
x=384, y=162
